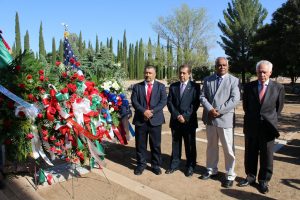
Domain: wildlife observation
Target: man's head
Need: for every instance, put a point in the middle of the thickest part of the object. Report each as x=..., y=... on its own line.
x=221, y=66
x=149, y=73
x=184, y=72
x=264, y=70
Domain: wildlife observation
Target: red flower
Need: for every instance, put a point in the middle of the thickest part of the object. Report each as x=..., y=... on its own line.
x=77, y=64
x=42, y=78
x=52, y=138
x=18, y=68
x=21, y=114
x=104, y=115
x=30, y=97
x=57, y=144
x=29, y=76
x=44, y=132
x=29, y=136
x=64, y=74
x=68, y=159
x=10, y=104
x=8, y=141
x=57, y=63
x=40, y=115
x=64, y=90
x=41, y=72
x=45, y=138
x=72, y=60
x=21, y=85
x=72, y=87
x=80, y=78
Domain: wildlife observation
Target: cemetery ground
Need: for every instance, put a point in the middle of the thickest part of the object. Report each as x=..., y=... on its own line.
x=117, y=181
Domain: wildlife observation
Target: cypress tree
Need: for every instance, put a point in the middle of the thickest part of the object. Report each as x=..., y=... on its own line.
x=97, y=44
x=107, y=42
x=179, y=55
x=53, y=51
x=26, y=41
x=136, y=60
x=61, y=50
x=42, y=51
x=83, y=45
x=163, y=69
x=80, y=46
x=141, y=58
x=150, y=53
x=18, y=49
x=169, y=60
x=158, y=58
x=125, y=52
x=111, y=45
x=13, y=49
x=131, y=62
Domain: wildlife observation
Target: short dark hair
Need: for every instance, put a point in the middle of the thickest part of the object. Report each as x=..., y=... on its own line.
x=150, y=67
x=186, y=66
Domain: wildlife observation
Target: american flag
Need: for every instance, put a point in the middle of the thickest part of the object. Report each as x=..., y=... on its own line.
x=69, y=57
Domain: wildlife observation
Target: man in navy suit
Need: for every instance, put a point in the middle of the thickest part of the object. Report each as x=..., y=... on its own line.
x=148, y=99
x=183, y=103
x=263, y=101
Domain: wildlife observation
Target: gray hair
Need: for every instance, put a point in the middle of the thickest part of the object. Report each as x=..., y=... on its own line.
x=268, y=63
x=219, y=58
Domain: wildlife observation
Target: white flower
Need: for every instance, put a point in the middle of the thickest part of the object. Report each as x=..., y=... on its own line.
x=116, y=86
x=106, y=85
x=111, y=110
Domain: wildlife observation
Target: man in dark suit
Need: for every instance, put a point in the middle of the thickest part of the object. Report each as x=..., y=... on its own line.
x=263, y=101
x=183, y=103
x=148, y=99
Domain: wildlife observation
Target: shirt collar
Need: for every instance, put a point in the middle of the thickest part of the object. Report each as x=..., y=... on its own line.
x=146, y=83
x=266, y=83
x=185, y=82
x=220, y=76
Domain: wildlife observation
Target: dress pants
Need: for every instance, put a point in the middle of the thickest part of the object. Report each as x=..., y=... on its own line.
x=141, y=140
x=212, y=153
x=260, y=145
x=189, y=136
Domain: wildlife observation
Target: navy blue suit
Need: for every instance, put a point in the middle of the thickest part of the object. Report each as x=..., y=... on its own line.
x=187, y=106
x=151, y=127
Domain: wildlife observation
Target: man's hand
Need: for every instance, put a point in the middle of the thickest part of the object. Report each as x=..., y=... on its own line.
x=213, y=113
x=181, y=119
x=148, y=114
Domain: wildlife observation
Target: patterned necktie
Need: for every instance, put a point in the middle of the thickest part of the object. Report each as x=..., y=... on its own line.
x=149, y=92
x=182, y=88
x=262, y=92
x=219, y=80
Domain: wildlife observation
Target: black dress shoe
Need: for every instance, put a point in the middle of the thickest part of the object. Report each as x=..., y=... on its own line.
x=170, y=171
x=189, y=172
x=227, y=184
x=245, y=182
x=156, y=170
x=207, y=176
x=138, y=170
x=263, y=187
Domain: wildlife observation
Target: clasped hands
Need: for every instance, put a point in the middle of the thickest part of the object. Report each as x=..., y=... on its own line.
x=213, y=113
x=148, y=114
x=181, y=119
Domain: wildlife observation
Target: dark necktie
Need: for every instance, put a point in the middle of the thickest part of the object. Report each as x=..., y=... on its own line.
x=149, y=91
x=219, y=80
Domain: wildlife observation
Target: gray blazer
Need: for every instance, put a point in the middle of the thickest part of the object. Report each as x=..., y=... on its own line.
x=224, y=100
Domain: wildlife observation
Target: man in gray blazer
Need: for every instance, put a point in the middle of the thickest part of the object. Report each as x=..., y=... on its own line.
x=219, y=96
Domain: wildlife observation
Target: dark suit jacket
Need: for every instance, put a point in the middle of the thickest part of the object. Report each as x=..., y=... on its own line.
x=269, y=110
x=186, y=106
x=157, y=103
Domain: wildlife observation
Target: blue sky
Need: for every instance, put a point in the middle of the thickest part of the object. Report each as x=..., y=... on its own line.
x=105, y=18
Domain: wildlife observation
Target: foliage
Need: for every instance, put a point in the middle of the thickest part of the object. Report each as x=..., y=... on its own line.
x=188, y=30
x=42, y=50
x=18, y=47
x=279, y=41
x=242, y=19
x=199, y=73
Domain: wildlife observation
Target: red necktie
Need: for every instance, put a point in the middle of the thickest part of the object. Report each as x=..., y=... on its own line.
x=262, y=92
x=149, y=91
